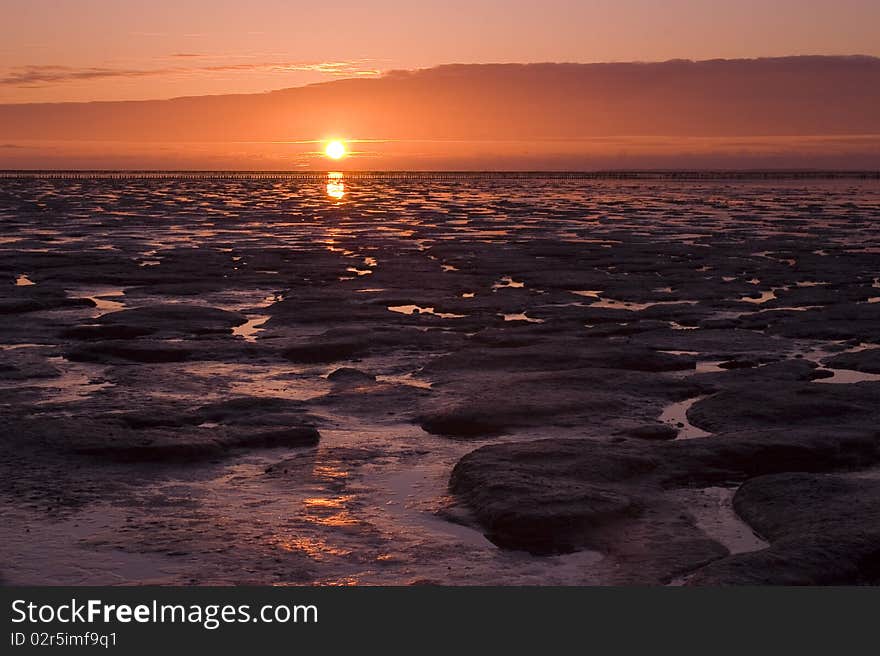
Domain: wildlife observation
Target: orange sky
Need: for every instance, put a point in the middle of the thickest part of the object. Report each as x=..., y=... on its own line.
x=53, y=50
x=339, y=70
x=795, y=112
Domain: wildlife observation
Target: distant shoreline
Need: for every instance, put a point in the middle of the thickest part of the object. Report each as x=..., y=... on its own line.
x=709, y=174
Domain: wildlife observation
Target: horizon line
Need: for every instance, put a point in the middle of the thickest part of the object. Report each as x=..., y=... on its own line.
x=597, y=174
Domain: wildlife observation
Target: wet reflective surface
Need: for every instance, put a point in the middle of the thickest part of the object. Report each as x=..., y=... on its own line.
x=426, y=288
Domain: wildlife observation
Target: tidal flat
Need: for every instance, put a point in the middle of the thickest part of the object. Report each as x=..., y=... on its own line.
x=439, y=380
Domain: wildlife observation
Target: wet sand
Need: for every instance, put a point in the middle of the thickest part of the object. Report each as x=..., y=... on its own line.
x=456, y=381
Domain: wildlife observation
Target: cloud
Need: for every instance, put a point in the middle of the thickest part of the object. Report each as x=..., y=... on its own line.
x=54, y=74
x=346, y=68
x=791, y=104
x=46, y=75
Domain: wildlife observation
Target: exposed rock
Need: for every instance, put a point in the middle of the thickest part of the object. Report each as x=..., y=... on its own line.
x=654, y=432
x=465, y=423
x=350, y=376
x=738, y=364
x=323, y=352
x=867, y=360
x=25, y=363
x=352, y=343
x=144, y=351
x=553, y=495
x=253, y=410
x=376, y=401
x=712, y=343
x=175, y=318
x=116, y=441
x=824, y=530
x=844, y=321
x=21, y=302
x=481, y=404
x=775, y=374
x=285, y=437
x=558, y=354
x=90, y=332
x=160, y=451
x=796, y=404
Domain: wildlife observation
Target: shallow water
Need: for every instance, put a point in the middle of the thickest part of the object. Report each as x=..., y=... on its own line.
x=446, y=259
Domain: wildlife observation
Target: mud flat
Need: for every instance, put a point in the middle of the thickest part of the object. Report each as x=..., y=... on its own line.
x=439, y=381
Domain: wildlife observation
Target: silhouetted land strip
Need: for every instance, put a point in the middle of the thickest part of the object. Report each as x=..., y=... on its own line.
x=453, y=175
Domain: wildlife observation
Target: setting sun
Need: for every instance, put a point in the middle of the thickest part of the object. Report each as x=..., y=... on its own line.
x=335, y=150
x=501, y=293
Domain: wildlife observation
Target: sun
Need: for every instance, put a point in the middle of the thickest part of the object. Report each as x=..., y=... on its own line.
x=335, y=150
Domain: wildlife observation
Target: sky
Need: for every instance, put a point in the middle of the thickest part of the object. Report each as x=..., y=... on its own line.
x=457, y=84
x=84, y=50
x=790, y=112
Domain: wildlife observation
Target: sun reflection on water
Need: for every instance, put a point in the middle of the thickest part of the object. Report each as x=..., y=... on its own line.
x=329, y=511
x=315, y=548
x=335, y=185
